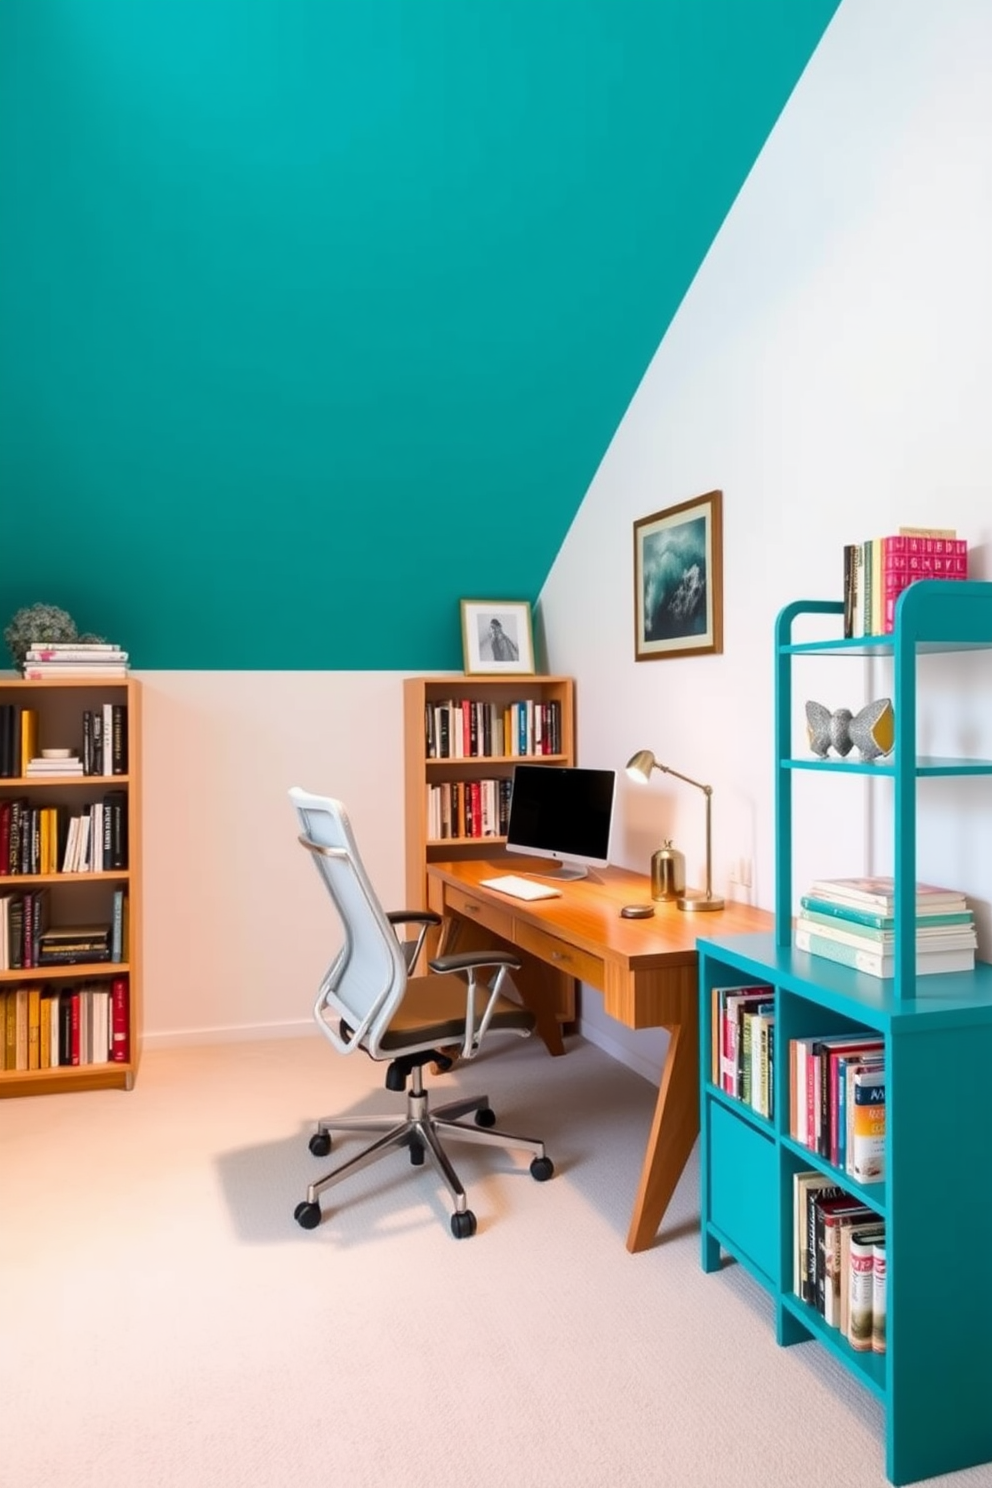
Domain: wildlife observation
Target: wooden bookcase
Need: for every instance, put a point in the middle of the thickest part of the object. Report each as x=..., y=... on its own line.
x=933, y=1380
x=79, y=898
x=423, y=771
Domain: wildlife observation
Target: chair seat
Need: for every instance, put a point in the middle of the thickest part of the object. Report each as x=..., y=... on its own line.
x=433, y=1012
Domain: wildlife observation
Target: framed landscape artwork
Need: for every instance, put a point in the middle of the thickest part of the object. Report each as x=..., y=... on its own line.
x=497, y=636
x=678, y=580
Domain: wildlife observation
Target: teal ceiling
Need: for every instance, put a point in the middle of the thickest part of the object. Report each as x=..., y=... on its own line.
x=318, y=315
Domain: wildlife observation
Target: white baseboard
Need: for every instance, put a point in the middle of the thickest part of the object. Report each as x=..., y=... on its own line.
x=620, y=1052
x=184, y=1038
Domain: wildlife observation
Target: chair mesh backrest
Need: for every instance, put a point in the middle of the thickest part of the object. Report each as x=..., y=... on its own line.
x=367, y=979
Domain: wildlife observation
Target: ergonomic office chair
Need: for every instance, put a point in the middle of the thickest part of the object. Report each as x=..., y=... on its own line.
x=369, y=999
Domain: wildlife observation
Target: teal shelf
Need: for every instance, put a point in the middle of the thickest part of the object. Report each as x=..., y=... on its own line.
x=924, y=764
x=868, y=1368
x=933, y=1381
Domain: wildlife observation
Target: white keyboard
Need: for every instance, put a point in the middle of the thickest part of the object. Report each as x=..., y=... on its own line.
x=520, y=888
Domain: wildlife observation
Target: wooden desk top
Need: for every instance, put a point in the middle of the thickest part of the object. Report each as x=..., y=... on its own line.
x=587, y=914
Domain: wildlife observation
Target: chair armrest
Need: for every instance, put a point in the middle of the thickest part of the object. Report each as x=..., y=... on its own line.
x=468, y=963
x=473, y=960
x=424, y=919
x=413, y=917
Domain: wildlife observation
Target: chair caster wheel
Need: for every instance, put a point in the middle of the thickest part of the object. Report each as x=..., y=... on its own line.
x=486, y=1116
x=307, y=1215
x=541, y=1169
x=463, y=1225
x=320, y=1144
x=416, y=1153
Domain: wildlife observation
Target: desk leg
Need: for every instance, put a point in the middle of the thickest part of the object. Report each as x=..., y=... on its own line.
x=674, y=1129
x=531, y=981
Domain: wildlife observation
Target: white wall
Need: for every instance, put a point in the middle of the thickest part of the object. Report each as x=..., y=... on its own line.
x=238, y=930
x=831, y=371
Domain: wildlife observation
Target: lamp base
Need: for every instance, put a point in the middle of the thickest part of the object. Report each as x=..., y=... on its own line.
x=699, y=902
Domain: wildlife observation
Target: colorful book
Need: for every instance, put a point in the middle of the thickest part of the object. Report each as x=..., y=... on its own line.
x=861, y=1284
x=866, y=1125
x=735, y=1002
x=802, y=1185
x=120, y=1037
x=940, y=938
x=871, y=1231
x=926, y=914
x=878, y=1307
x=870, y=1057
x=831, y=1215
x=878, y=892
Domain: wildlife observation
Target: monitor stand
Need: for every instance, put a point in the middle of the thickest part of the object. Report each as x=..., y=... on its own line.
x=565, y=873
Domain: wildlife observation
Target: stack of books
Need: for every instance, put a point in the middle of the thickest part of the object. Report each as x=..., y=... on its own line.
x=74, y=659
x=60, y=762
x=71, y=944
x=852, y=920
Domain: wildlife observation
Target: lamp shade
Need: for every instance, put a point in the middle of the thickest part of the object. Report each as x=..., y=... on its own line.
x=640, y=765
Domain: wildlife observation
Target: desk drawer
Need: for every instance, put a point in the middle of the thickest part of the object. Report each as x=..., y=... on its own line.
x=460, y=902
x=558, y=953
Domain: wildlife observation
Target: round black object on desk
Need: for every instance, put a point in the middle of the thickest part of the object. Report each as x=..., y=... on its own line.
x=637, y=911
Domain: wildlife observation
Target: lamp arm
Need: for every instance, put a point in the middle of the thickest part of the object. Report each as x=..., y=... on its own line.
x=667, y=770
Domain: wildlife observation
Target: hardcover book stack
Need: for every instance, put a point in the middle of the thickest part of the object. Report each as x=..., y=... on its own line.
x=851, y=920
x=64, y=945
x=74, y=659
x=837, y=1100
x=839, y=1260
x=743, y=1053
x=877, y=571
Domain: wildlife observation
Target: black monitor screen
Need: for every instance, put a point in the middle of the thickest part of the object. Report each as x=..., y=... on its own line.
x=562, y=812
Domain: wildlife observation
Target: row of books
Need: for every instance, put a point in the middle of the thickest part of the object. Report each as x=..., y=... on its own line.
x=743, y=1049
x=52, y=839
x=477, y=729
x=102, y=749
x=877, y=571
x=48, y=1027
x=839, y=1260
x=837, y=1100
x=468, y=808
x=28, y=939
x=852, y=921
x=74, y=659
x=836, y=1081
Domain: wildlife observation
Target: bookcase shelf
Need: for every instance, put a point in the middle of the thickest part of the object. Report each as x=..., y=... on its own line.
x=76, y=898
x=936, y=1032
x=423, y=771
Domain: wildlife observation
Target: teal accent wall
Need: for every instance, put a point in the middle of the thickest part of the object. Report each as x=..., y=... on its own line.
x=318, y=315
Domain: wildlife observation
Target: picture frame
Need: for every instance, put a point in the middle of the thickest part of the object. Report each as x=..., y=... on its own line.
x=678, y=580
x=497, y=637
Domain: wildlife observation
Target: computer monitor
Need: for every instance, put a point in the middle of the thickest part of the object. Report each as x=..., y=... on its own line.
x=562, y=812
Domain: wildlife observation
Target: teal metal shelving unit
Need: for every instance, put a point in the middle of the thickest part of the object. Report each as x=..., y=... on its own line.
x=935, y=1380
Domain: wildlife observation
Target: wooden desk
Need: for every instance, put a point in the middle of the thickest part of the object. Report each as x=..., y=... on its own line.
x=645, y=969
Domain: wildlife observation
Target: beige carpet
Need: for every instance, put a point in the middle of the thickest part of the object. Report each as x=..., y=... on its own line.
x=163, y=1320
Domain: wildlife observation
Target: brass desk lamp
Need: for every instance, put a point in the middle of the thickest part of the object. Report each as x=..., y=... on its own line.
x=639, y=768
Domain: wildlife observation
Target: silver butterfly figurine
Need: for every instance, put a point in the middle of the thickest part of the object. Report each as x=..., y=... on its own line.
x=871, y=731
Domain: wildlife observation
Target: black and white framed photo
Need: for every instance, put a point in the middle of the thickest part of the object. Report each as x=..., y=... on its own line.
x=678, y=580
x=497, y=636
